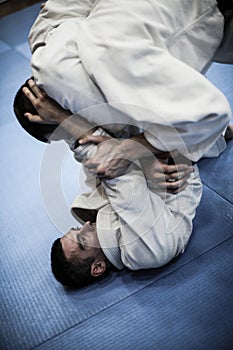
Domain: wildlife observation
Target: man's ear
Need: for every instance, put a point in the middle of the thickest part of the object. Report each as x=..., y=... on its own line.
x=98, y=267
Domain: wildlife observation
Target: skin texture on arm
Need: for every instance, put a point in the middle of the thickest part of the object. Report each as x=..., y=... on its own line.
x=113, y=156
x=49, y=111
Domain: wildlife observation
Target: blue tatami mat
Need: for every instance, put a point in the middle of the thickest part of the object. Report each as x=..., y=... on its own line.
x=35, y=309
x=217, y=177
x=187, y=304
x=190, y=309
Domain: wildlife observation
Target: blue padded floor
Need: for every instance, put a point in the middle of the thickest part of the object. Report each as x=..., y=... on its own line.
x=187, y=304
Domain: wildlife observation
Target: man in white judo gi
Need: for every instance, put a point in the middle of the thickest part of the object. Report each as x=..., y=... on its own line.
x=142, y=59
x=137, y=63
x=128, y=220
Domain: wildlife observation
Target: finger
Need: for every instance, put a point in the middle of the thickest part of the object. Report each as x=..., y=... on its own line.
x=118, y=163
x=172, y=185
x=33, y=118
x=115, y=163
x=168, y=169
x=159, y=177
x=93, y=139
x=178, y=190
x=35, y=89
x=96, y=168
x=103, y=168
x=176, y=184
x=172, y=170
x=179, y=175
x=105, y=171
x=32, y=98
x=162, y=167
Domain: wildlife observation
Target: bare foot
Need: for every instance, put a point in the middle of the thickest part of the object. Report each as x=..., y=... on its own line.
x=229, y=133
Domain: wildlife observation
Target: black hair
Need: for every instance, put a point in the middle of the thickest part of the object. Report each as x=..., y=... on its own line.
x=22, y=105
x=73, y=273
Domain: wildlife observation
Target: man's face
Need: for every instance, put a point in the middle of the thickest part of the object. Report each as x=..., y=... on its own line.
x=83, y=242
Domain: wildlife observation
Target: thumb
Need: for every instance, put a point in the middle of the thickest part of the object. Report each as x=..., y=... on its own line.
x=34, y=118
x=93, y=139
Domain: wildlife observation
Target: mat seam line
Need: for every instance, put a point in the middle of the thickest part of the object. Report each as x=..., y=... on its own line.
x=219, y=195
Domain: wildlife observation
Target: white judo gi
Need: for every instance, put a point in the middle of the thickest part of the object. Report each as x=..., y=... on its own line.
x=126, y=62
x=137, y=225
x=138, y=63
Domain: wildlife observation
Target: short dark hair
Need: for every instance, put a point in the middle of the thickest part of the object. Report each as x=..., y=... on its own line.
x=22, y=105
x=73, y=273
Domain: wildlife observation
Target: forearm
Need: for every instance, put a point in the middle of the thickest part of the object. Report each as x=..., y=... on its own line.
x=136, y=147
x=76, y=127
x=146, y=147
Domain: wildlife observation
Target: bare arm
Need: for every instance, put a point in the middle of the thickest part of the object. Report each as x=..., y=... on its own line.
x=113, y=156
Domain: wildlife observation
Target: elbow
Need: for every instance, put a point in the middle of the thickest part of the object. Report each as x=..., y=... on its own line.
x=152, y=259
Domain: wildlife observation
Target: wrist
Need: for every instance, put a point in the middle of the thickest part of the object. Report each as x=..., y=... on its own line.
x=76, y=126
x=132, y=149
x=146, y=147
x=62, y=116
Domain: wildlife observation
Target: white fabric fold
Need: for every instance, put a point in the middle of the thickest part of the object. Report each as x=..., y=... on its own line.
x=138, y=63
